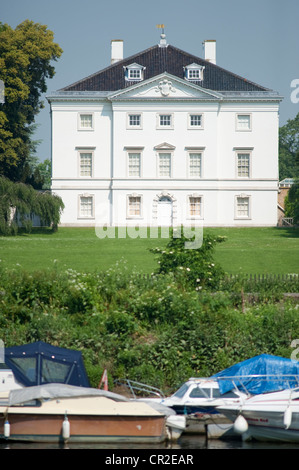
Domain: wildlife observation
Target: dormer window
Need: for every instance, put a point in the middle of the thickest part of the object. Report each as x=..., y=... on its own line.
x=194, y=72
x=134, y=72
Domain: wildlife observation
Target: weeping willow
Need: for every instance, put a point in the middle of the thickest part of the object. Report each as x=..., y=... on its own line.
x=19, y=202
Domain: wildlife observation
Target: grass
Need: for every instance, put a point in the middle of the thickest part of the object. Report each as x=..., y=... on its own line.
x=246, y=250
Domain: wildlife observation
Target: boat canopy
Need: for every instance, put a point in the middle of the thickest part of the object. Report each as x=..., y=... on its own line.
x=261, y=374
x=40, y=363
x=57, y=391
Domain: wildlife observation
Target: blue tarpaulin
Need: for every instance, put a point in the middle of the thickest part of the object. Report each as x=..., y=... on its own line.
x=260, y=374
x=41, y=363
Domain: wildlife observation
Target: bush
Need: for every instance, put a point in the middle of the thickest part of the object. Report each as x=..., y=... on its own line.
x=193, y=267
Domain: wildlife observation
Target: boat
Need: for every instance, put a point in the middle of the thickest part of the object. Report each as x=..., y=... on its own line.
x=270, y=416
x=200, y=399
x=196, y=396
x=200, y=395
x=67, y=413
x=262, y=373
x=195, y=402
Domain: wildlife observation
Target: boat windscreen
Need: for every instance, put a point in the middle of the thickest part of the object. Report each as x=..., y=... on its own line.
x=181, y=391
x=199, y=392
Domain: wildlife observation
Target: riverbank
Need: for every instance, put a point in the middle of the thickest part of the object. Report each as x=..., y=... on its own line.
x=159, y=333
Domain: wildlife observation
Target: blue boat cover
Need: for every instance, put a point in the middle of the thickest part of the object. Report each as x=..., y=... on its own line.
x=267, y=374
x=40, y=363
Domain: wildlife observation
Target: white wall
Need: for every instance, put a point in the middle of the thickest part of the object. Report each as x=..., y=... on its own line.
x=218, y=186
x=67, y=139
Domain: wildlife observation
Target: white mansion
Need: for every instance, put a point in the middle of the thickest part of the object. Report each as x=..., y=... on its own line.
x=165, y=138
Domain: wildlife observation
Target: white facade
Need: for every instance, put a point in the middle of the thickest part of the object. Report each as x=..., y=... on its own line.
x=165, y=151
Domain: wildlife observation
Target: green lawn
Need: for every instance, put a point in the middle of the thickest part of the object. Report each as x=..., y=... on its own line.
x=246, y=250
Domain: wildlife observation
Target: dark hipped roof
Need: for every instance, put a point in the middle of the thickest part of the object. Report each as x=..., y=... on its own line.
x=157, y=60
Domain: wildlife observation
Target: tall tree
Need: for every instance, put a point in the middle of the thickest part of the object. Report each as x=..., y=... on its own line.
x=288, y=148
x=26, y=53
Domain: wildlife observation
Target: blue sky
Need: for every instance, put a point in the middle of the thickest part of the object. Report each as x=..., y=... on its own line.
x=258, y=40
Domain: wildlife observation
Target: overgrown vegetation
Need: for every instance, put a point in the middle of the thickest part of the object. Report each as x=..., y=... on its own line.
x=18, y=201
x=155, y=329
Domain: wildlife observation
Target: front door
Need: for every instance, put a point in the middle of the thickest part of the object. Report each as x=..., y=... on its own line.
x=164, y=212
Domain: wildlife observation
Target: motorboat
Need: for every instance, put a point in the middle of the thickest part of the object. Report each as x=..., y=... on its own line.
x=195, y=401
x=45, y=389
x=66, y=413
x=197, y=395
x=260, y=374
x=202, y=399
x=270, y=416
x=200, y=395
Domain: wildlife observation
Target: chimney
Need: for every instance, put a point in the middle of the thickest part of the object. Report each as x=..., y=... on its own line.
x=116, y=50
x=210, y=50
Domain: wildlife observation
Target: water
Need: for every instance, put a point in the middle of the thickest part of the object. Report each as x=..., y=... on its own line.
x=185, y=443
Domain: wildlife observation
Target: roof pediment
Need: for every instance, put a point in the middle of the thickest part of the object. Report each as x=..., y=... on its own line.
x=164, y=86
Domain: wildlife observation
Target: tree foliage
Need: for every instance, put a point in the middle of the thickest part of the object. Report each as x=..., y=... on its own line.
x=18, y=201
x=288, y=148
x=26, y=53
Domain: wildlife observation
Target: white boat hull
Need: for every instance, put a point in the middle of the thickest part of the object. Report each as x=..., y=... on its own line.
x=269, y=417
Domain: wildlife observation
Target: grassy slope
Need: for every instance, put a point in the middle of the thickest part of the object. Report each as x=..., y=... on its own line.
x=247, y=250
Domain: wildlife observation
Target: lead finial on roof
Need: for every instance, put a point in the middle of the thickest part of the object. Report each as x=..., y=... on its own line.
x=163, y=42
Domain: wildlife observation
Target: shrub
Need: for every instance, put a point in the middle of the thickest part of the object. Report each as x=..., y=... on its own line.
x=193, y=267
